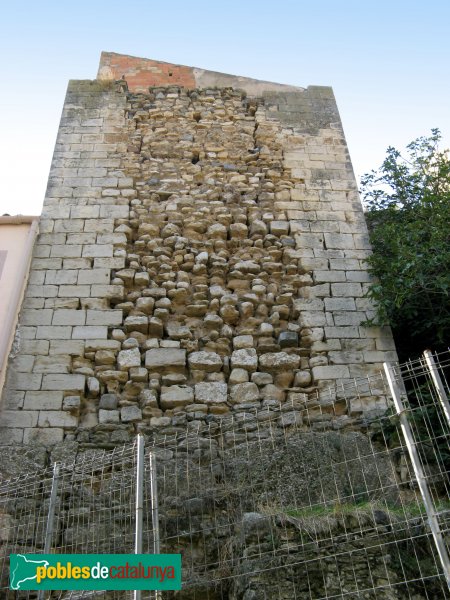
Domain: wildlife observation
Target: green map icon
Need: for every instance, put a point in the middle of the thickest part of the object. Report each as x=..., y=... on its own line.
x=23, y=569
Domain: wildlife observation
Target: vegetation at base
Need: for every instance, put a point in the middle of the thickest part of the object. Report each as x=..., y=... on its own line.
x=408, y=215
x=396, y=511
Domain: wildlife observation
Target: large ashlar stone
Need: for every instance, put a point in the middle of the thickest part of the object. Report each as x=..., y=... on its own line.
x=129, y=358
x=165, y=359
x=211, y=393
x=205, y=361
x=245, y=359
x=279, y=361
x=176, y=395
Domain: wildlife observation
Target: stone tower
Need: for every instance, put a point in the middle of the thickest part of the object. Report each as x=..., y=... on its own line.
x=201, y=252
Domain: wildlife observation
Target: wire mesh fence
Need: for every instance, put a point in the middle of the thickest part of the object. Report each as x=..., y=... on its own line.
x=282, y=503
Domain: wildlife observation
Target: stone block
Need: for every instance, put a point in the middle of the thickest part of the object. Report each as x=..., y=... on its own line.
x=244, y=392
x=41, y=291
x=53, y=364
x=331, y=276
x=175, y=396
x=114, y=292
x=72, y=404
x=72, y=347
x=36, y=317
x=65, y=316
x=238, y=376
x=342, y=332
x=61, y=277
x=330, y=372
x=205, y=361
x=65, y=251
x=35, y=347
x=288, y=339
x=74, y=291
x=99, y=225
x=53, y=332
x=129, y=358
x=114, y=211
x=85, y=212
x=130, y=414
x=243, y=341
x=165, y=359
x=68, y=383
x=279, y=228
x=43, y=437
x=24, y=381
x=56, y=418
x=23, y=363
x=116, y=262
x=108, y=416
x=352, y=290
x=312, y=319
x=279, y=361
x=108, y=401
x=104, y=317
x=90, y=332
x=98, y=276
x=245, y=358
x=211, y=393
x=95, y=345
x=98, y=250
x=136, y=323
x=262, y=378
x=332, y=304
x=19, y=418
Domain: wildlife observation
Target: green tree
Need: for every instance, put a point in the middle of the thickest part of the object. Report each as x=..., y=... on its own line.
x=408, y=214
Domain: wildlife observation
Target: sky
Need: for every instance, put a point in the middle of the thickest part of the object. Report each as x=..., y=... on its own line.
x=387, y=61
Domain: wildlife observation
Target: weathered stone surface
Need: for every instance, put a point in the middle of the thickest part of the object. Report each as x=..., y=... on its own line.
x=176, y=395
x=108, y=401
x=244, y=392
x=279, y=361
x=130, y=414
x=165, y=358
x=245, y=359
x=129, y=358
x=243, y=341
x=288, y=339
x=211, y=393
x=238, y=376
x=108, y=416
x=213, y=228
x=205, y=361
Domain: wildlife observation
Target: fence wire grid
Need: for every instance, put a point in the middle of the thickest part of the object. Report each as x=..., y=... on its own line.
x=284, y=503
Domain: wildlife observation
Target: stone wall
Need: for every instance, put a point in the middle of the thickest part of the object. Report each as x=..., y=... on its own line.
x=201, y=252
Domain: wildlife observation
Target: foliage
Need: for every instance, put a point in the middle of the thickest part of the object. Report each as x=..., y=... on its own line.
x=408, y=202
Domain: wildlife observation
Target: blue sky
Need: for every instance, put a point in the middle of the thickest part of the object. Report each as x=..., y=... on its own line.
x=388, y=63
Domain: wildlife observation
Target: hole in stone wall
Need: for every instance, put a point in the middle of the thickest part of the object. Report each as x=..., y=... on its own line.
x=195, y=158
x=197, y=116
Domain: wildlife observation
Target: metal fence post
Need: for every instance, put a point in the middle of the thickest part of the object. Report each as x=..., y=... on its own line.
x=50, y=517
x=437, y=382
x=139, y=511
x=155, y=513
x=398, y=394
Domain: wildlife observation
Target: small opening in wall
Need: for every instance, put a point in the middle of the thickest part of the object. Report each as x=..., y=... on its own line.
x=197, y=116
x=195, y=158
x=170, y=73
